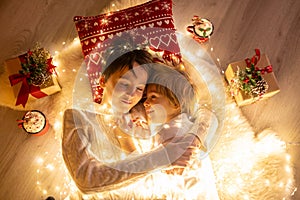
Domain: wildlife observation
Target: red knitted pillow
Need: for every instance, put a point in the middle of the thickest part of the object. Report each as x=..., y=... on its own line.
x=150, y=23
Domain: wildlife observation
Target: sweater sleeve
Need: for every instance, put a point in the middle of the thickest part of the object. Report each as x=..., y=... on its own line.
x=205, y=125
x=90, y=174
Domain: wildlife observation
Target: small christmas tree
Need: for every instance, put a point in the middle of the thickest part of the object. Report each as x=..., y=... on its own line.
x=37, y=65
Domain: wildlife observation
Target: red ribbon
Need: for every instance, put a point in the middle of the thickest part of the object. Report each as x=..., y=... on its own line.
x=26, y=89
x=267, y=69
x=254, y=60
x=50, y=66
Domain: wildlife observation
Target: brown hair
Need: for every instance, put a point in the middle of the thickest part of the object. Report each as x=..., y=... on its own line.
x=127, y=59
x=175, y=85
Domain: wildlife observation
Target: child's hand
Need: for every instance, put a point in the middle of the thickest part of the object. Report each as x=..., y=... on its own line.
x=140, y=129
x=138, y=124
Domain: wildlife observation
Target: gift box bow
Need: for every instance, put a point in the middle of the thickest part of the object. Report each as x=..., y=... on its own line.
x=26, y=89
x=253, y=74
x=254, y=60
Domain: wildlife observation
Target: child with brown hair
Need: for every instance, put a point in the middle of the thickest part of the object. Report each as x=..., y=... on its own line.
x=173, y=110
x=170, y=105
x=170, y=102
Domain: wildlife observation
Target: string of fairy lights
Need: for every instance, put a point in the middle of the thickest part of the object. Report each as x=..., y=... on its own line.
x=234, y=181
x=48, y=164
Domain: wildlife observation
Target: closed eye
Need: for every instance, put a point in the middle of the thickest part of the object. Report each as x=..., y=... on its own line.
x=123, y=84
x=153, y=97
x=140, y=89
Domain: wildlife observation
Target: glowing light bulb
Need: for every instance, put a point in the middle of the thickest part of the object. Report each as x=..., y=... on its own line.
x=40, y=160
x=235, y=118
x=104, y=21
x=281, y=184
x=288, y=157
x=50, y=167
x=76, y=41
x=178, y=124
x=56, y=63
x=57, y=125
x=166, y=126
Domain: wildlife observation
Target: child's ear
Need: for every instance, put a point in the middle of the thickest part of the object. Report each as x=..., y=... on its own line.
x=102, y=81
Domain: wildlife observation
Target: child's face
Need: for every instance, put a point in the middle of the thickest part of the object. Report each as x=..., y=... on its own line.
x=158, y=107
x=124, y=89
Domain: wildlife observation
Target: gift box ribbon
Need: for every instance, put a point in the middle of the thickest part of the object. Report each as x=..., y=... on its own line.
x=26, y=89
x=51, y=67
x=254, y=60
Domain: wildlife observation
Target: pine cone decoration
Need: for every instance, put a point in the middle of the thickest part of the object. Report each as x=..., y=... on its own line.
x=260, y=88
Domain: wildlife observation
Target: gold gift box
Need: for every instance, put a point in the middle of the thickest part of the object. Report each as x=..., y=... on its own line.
x=241, y=97
x=49, y=87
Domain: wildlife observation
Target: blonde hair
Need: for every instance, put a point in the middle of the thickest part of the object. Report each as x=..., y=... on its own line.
x=175, y=85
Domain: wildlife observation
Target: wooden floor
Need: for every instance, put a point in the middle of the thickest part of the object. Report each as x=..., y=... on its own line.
x=273, y=26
